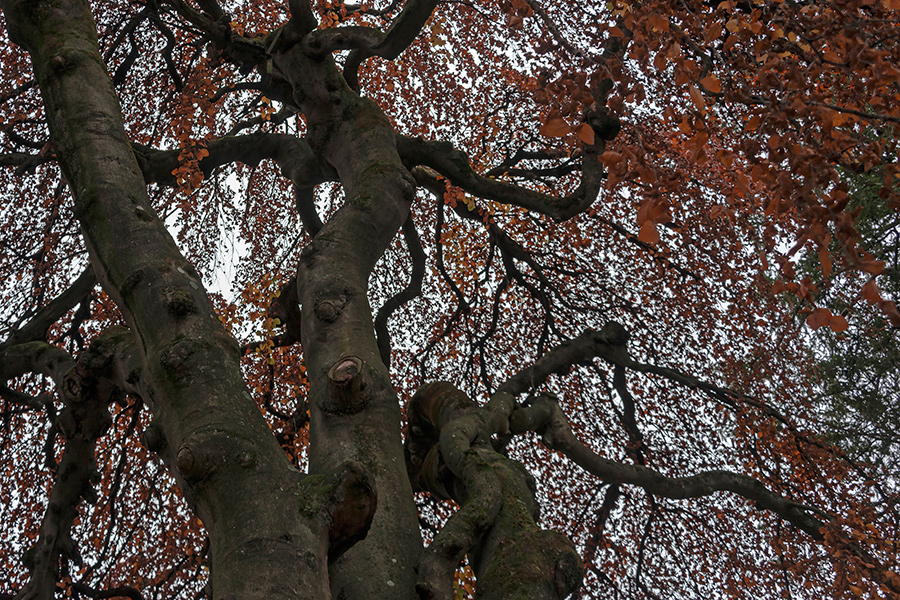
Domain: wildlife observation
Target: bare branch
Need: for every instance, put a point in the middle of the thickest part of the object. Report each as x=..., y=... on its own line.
x=297, y=160
x=546, y=418
x=366, y=42
x=609, y=344
x=34, y=357
x=454, y=165
x=36, y=329
x=412, y=290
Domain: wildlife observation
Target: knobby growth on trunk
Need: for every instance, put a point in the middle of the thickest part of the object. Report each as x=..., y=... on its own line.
x=431, y=299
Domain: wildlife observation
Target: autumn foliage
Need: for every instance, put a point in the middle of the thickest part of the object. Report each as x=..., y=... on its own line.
x=514, y=280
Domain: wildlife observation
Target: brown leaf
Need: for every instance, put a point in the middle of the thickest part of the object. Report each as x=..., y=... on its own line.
x=555, y=127
x=697, y=98
x=586, y=134
x=711, y=83
x=819, y=317
x=648, y=233
x=838, y=323
x=825, y=260
x=870, y=292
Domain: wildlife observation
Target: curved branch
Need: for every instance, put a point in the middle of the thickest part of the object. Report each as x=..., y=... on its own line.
x=546, y=418
x=102, y=375
x=366, y=41
x=297, y=160
x=371, y=42
x=115, y=592
x=321, y=42
x=608, y=343
x=294, y=156
x=23, y=161
x=412, y=290
x=36, y=329
x=454, y=165
x=35, y=357
x=448, y=450
x=247, y=53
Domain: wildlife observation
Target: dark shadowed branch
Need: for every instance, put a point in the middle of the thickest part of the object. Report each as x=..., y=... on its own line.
x=297, y=160
x=449, y=453
x=546, y=418
x=37, y=327
x=412, y=290
x=102, y=374
x=293, y=155
x=366, y=41
x=454, y=165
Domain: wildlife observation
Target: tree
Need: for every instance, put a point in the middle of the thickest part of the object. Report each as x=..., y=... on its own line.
x=858, y=369
x=473, y=172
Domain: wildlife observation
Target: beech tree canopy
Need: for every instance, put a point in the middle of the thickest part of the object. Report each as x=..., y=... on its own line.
x=443, y=299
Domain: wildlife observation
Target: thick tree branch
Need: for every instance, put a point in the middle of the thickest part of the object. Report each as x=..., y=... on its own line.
x=115, y=592
x=218, y=445
x=546, y=418
x=23, y=161
x=295, y=157
x=34, y=357
x=366, y=41
x=37, y=327
x=609, y=344
x=448, y=451
x=454, y=165
x=102, y=374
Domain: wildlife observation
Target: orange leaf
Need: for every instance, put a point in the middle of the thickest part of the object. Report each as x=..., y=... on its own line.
x=586, y=133
x=697, y=98
x=825, y=259
x=819, y=317
x=870, y=292
x=555, y=127
x=838, y=323
x=648, y=233
x=711, y=83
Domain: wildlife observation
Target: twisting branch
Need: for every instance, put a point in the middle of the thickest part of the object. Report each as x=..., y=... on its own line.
x=36, y=329
x=609, y=344
x=545, y=417
x=454, y=165
x=116, y=592
x=23, y=161
x=297, y=160
x=366, y=41
x=34, y=357
x=294, y=156
x=215, y=23
x=449, y=454
x=103, y=374
x=412, y=290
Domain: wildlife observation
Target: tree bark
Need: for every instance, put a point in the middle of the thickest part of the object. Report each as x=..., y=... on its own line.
x=259, y=516
x=354, y=411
